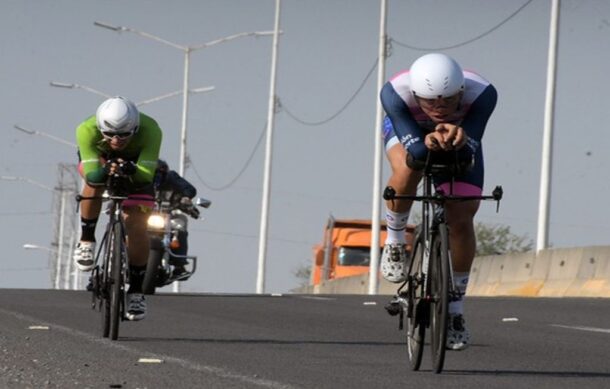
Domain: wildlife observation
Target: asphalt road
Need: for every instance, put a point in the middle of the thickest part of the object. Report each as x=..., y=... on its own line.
x=51, y=339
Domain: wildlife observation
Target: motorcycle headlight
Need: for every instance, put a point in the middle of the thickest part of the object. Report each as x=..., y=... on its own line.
x=156, y=222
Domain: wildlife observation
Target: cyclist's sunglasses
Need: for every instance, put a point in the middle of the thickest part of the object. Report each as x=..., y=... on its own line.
x=120, y=135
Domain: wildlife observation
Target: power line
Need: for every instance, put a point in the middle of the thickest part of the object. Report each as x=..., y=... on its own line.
x=243, y=169
x=466, y=42
x=324, y=121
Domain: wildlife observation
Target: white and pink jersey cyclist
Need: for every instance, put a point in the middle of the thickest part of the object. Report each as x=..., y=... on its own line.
x=407, y=123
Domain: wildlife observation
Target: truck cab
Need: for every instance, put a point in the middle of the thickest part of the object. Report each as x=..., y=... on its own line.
x=346, y=249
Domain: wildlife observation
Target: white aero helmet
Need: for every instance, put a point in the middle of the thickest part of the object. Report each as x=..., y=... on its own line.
x=118, y=116
x=436, y=75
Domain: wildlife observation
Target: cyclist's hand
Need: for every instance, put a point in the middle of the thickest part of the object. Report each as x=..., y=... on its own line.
x=454, y=137
x=194, y=212
x=186, y=201
x=127, y=168
x=434, y=141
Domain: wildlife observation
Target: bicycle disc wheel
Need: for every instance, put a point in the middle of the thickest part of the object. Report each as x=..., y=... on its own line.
x=439, y=283
x=416, y=327
x=116, y=289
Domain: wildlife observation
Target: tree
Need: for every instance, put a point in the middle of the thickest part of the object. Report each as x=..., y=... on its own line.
x=495, y=239
x=303, y=273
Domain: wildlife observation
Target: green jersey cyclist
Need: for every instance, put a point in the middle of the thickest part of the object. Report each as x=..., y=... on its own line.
x=118, y=132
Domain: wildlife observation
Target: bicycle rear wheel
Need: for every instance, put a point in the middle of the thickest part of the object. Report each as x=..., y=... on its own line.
x=416, y=319
x=439, y=292
x=117, y=284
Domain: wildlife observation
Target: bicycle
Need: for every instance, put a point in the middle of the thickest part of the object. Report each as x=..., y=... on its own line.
x=108, y=279
x=429, y=284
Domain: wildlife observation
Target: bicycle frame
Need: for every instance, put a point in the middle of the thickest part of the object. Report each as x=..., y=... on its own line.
x=109, y=287
x=422, y=295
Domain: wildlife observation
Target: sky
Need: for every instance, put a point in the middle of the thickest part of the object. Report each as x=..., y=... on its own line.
x=326, y=51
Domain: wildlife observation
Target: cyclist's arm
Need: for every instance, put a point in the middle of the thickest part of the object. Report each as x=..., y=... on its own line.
x=149, y=155
x=407, y=130
x=86, y=139
x=476, y=119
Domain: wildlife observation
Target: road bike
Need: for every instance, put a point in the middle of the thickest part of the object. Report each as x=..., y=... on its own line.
x=429, y=288
x=109, y=276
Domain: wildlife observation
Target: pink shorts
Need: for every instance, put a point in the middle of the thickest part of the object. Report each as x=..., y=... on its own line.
x=460, y=189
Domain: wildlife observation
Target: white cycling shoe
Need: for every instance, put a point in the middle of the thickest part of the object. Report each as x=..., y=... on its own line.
x=394, y=262
x=84, y=256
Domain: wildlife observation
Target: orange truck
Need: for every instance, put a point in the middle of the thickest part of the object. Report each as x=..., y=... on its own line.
x=346, y=249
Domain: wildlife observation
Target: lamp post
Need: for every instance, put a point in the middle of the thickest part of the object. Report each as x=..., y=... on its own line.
x=187, y=50
x=44, y=134
x=63, y=193
x=79, y=86
x=105, y=95
x=31, y=246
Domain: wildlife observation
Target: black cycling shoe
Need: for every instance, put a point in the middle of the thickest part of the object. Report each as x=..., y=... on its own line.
x=393, y=307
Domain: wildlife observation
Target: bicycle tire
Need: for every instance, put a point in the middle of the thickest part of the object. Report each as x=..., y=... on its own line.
x=439, y=292
x=416, y=327
x=149, y=284
x=106, y=285
x=116, y=295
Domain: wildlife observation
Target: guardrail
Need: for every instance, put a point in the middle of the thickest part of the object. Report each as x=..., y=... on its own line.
x=563, y=272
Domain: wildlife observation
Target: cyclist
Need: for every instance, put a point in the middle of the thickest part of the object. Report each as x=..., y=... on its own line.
x=435, y=106
x=119, y=132
x=170, y=186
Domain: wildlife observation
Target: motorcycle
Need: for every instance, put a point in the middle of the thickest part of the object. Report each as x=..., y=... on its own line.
x=167, y=229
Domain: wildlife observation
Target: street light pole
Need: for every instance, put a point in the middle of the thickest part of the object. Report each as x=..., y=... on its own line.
x=187, y=51
x=44, y=134
x=185, y=107
x=79, y=86
x=262, y=243
x=62, y=193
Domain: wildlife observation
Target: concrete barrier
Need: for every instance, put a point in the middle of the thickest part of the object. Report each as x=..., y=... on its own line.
x=566, y=272
x=563, y=272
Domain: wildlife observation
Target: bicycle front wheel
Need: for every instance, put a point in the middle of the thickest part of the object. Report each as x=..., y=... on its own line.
x=106, y=285
x=416, y=317
x=439, y=293
x=117, y=284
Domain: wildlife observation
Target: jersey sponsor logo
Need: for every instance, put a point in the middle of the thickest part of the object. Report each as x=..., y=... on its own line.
x=408, y=140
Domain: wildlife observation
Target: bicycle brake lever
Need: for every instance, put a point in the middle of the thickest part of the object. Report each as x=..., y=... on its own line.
x=497, y=195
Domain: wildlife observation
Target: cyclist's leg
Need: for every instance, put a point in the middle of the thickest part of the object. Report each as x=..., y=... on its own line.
x=404, y=180
x=137, y=209
x=84, y=253
x=136, y=214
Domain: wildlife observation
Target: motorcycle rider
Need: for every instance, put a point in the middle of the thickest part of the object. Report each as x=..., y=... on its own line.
x=171, y=187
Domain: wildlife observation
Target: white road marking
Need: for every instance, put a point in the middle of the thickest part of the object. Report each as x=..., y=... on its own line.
x=369, y=303
x=185, y=363
x=583, y=328
x=150, y=360
x=317, y=298
x=38, y=327
x=510, y=319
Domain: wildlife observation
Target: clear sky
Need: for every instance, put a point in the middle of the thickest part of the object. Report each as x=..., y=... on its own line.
x=326, y=51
